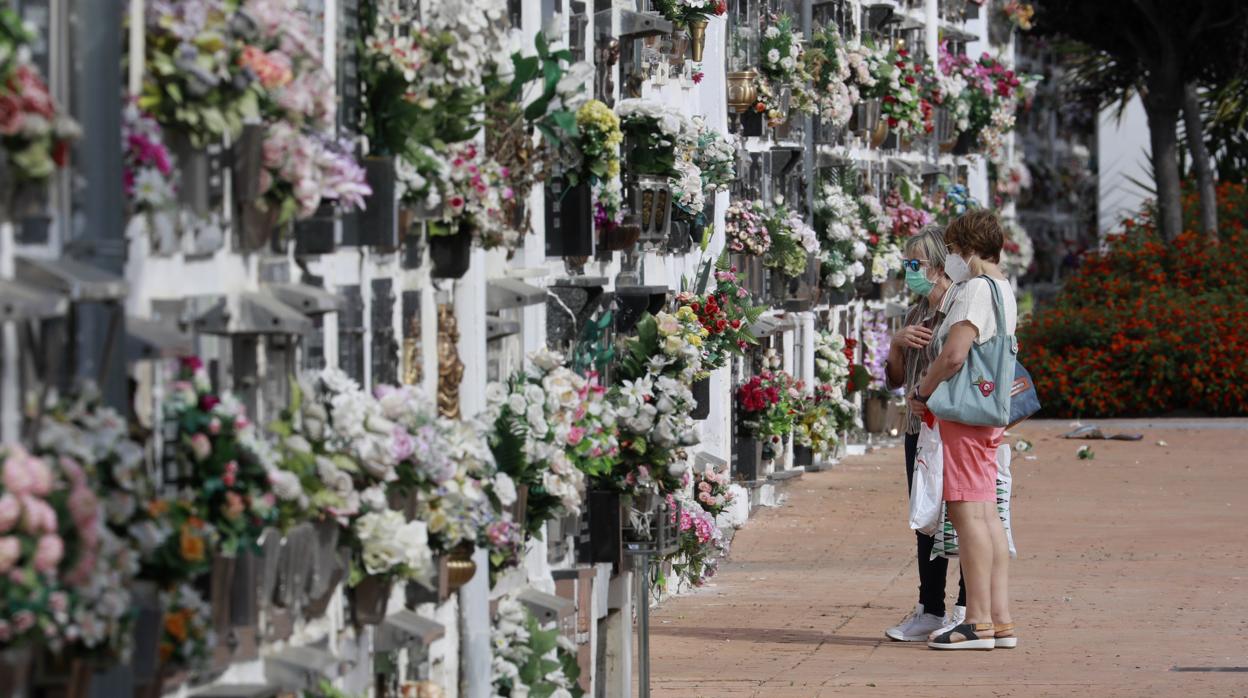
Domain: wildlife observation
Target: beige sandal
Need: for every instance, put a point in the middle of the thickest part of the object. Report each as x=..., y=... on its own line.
x=1005, y=637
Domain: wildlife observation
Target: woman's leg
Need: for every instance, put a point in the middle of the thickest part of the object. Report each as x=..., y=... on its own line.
x=975, y=549
x=1000, y=570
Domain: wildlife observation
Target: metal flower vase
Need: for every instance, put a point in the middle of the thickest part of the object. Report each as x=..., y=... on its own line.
x=702, y=395
x=867, y=117
x=652, y=203
x=945, y=129
x=15, y=663
x=742, y=91
x=451, y=254
x=697, y=37
x=460, y=566
x=369, y=599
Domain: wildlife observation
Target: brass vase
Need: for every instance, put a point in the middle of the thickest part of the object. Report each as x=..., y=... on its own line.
x=879, y=134
x=742, y=93
x=459, y=567
x=697, y=36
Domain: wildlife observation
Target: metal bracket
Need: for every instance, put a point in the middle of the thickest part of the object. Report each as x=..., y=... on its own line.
x=633, y=24
x=546, y=607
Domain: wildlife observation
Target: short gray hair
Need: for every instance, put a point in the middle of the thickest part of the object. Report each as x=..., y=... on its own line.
x=931, y=239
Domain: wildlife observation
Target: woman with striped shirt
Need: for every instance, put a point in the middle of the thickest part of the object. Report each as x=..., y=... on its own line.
x=912, y=350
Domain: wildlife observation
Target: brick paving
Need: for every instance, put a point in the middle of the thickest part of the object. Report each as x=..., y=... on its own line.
x=1130, y=564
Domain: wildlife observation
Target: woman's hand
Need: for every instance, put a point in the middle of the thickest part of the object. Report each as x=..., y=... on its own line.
x=917, y=408
x=913, y=336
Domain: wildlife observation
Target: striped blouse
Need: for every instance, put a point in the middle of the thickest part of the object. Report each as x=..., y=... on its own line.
x=917, y=360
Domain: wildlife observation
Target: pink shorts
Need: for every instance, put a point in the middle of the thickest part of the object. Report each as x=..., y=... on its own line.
x=970, y=461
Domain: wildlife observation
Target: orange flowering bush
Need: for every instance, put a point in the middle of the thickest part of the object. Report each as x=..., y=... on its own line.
x=1149, y=327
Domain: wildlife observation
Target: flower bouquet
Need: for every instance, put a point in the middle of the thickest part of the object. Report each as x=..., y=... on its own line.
x=985, y=96
x=687, y=12
x=701, y=543
x=831, y=361
x=535, y=419
x=746, y=230
x=301, y=162
x=89, y=443
x=784, y=62
x=688, y=192
x=338, y=449
x=424, y=83
x=726, y=315
x=836, y=92
x=530, y=660
x=35, y=132
x=447, y=466
x=715, y=157
x=148, y=175
x=36, y=556
x=652, y=131
x=901, y=85
x=792, y=240
x=1019, y=14
x=227, y=481
x=907, y=211
x=843, y=237
x=711, y=490
x=814, y=426
x=547, y=95
x=196, y=82
x=1019, y=251
x=598, y=140
x=653, y=401
x=765, y=404
x=187, y=639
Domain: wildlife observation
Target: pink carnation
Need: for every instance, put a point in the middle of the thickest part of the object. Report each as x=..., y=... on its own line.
x=201, y=447
x=10, y=551
x=37, y=516
x=83, y=507
x=48, y=553
x=10, y=512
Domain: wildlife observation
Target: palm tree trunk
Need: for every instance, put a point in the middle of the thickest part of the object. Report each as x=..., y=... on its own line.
x=1163, y=121
x=1195, y=129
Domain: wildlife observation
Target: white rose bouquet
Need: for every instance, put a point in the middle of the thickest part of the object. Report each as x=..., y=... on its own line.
x=533, y=416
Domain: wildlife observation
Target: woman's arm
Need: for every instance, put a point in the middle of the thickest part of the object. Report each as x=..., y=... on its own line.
x=952, y=356
x=908, y=337
x=894, y=366
x=957, y=346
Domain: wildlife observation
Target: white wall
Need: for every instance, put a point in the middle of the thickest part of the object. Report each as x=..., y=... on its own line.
x=1122, y=153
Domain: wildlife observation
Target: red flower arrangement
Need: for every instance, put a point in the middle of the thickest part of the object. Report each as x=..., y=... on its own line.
x=725, y=313
x=766, y=403
x=1149, y=327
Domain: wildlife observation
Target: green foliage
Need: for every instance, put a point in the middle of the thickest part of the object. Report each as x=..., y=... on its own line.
x=640, y=348
x=594, y=350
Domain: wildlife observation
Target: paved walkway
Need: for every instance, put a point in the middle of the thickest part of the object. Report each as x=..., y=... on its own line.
x=1130, y=565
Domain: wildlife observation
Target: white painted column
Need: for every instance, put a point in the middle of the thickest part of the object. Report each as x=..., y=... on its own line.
x=807, y=349
x=474, y=597
x=931, y=27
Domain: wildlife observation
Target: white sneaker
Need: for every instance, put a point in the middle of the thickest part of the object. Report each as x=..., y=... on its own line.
x=914, y=627
x=952, y=620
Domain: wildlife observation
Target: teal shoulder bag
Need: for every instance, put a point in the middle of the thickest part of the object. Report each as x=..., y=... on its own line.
x=979, y=393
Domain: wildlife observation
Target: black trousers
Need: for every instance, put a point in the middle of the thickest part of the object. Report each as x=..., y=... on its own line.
x=932, y=573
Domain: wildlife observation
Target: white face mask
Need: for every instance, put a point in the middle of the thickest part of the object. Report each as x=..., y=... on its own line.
x=957, y=268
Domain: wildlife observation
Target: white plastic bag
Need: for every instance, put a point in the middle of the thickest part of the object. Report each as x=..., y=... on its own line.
x=1004, y=485
x=927, y=490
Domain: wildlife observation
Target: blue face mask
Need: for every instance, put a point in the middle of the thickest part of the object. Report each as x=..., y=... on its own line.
x=918, y=282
